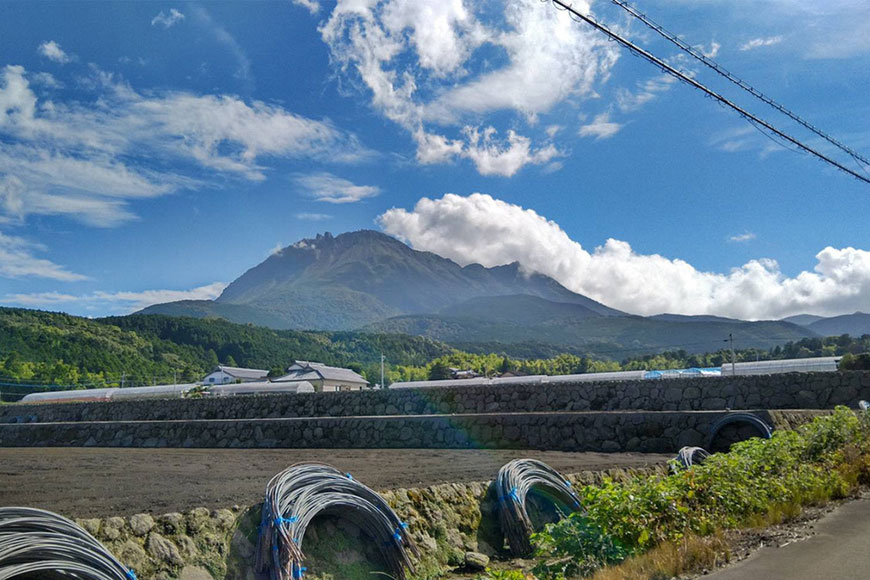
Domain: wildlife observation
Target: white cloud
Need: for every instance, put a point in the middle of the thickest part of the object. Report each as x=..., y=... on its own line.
x=760, y=43
x=746, y=138
x=332, y=189
x=644, y=92
x=312, y=6
x=81, y=160
x=115, y=302
x=312, y=217
x=227, y=40
x=481, y=229
x=17, y=260
x=744, y=237
x=601, y=127
x=419, y=63
x=52, y=51
x=167, y=20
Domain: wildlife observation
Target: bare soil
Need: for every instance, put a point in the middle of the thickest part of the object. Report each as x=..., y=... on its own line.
x=101, y=482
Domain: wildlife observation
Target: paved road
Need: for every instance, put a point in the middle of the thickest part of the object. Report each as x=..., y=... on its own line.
x=90, y=482
x=840, y=550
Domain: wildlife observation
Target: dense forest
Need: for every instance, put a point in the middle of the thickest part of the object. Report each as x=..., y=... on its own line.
x=44, y=348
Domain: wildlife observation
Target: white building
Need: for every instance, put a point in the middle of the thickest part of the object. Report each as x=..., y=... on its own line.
x=223, y=375
x=323, y=378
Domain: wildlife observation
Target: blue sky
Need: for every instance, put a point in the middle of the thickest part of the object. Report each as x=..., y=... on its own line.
x=155, y=151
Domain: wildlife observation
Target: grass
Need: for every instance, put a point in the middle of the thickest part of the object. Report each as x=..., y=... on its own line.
x=690, y=555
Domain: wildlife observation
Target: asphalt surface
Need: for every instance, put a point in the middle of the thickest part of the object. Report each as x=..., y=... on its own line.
x=839, y=550
x=97, y=482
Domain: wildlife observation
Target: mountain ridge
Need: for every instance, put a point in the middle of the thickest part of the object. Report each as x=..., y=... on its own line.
x=357, y=278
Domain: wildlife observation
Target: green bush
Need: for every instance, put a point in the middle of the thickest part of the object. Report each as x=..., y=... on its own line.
x=812, y=464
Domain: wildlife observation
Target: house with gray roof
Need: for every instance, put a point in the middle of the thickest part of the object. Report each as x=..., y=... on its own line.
x=324, y=378
x=223, y=375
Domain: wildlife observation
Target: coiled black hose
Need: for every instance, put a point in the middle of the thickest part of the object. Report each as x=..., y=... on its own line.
x=689, y=456
x=305, y=490
x=42, y=544
x=514, y=482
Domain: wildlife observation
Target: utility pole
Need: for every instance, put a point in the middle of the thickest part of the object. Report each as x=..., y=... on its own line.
x=382, y=371
x=733, y=357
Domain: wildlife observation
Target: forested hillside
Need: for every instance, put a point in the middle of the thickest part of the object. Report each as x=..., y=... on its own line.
x=55, y=348
x=46, y=348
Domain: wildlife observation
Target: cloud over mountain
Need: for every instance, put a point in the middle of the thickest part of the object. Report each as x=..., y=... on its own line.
x=479, y=228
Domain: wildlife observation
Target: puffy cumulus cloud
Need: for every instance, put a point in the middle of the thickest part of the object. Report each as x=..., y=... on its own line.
x=442, y=69
x=52, y=51
x=17, y=260
x=87, y=161
x=481, y=229
x=115, y=302
x=332, y=189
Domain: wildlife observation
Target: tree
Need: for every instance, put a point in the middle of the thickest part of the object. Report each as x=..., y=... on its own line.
x=439, y=371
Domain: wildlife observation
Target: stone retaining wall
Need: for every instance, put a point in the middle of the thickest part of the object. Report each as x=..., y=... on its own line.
x=782, y=391
x=445, y=521
x=616, y=431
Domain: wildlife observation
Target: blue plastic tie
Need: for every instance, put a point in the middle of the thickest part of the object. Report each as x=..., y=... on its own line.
x=282, y=520
x=297, y=572
x=131, y=575
x=513, y=493
x=349, y=476
x=567, y=483
x=403, y=525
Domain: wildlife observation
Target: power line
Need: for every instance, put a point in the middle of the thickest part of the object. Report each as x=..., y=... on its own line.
x=679, y=75
x=707, y=61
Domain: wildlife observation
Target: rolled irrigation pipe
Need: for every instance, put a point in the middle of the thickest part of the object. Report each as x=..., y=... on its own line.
x=689, y=456
x=514, y=482
x=34, y=541
x=303, y=491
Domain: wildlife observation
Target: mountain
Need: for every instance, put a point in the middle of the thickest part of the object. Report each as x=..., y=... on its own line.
x=524, y=325
x=856, y=324
x=803, y=319
x=371, y=281
x=359, y=278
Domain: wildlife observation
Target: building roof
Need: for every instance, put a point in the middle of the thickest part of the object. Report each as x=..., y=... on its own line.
x=303, y=370
x=241, y=373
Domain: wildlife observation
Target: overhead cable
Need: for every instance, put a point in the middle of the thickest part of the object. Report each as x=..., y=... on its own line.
x=722, y=71
x=679, y=75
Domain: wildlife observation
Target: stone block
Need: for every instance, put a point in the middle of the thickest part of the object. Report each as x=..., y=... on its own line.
x=141, y=524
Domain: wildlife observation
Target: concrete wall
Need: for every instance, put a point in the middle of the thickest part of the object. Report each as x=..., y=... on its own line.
x=785, y=391
x=645, y=431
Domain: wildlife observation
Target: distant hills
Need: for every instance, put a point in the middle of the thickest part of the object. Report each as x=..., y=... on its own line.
x=517, y=321
x=370, y=281
x=856, y=324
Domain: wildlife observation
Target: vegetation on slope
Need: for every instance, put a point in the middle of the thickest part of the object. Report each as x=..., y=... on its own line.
x=828, y=458
x=58, y=349
x=54, y=348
